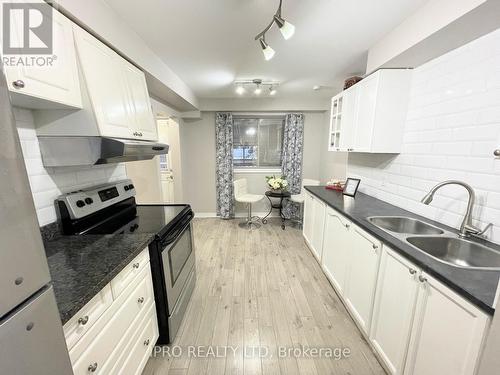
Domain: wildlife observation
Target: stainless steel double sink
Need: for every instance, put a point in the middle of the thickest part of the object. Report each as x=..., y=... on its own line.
x=442, y=245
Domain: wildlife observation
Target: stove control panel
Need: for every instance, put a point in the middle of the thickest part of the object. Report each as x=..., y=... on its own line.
x=87, y=201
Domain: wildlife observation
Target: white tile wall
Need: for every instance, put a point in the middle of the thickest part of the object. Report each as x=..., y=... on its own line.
x=48, y=183
x=452, y=129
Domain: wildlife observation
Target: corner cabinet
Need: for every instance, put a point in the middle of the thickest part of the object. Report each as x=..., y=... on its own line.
x=370, y=115
x=55, y=85
x=314, y=221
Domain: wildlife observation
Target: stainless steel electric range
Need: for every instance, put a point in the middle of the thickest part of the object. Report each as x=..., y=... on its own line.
x=111, y=209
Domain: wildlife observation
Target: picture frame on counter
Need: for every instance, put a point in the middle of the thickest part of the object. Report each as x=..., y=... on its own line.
x=351, y=187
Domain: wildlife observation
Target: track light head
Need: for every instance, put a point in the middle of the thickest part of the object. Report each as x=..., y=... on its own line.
x=240, y=90
x=286, y=28
x=272, y=91
x=258, y=90
x=266, y=49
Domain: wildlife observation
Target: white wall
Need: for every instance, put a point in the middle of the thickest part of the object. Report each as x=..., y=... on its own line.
x=48, y=183
x=198, y=161
x=452, y=129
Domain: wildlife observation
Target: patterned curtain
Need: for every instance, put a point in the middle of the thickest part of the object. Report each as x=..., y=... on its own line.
x=291, y=168
x=224, y=164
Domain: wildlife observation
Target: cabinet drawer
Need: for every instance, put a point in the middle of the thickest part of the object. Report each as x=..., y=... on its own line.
x=106, y=336
x=134, y=359
x=79, y=324
x=120, y=282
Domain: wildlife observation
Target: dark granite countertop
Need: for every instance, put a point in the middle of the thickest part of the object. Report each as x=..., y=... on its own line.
x=81, y=266
x=477, y=286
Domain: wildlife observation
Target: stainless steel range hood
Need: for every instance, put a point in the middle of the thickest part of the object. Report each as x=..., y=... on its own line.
x=62, y=151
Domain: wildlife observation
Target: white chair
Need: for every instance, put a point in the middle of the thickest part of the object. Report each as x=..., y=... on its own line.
x=241, y=195
x=299, y=198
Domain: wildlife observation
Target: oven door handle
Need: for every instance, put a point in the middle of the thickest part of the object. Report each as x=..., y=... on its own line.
x=167, y=241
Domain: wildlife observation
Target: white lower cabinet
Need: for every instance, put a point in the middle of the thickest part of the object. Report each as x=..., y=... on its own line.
x=121, y=339
x=361, y=278
x=314, y=221
x=395, y=299
x=336, y=243
x=447, y=333
x=416, y=324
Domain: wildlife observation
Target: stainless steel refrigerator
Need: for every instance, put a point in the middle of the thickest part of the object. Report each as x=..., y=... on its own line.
x=31, y=335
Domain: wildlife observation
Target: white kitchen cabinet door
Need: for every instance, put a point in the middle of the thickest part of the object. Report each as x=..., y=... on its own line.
x=335, y=260
x=365, y=113
x=308, y=219
x=394, y=308
x=143, y=125
x=106, y=85
x=364, y=255
x=55, y=85
x=348, y=131
x=319, y=210
x=447, y=333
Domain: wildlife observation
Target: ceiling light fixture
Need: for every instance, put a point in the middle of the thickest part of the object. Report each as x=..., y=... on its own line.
x=240, y=90
x=258, y=86
x=286, y=29
x=266, y=49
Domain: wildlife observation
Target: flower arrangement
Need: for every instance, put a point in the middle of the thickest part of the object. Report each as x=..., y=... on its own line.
x=277, y=183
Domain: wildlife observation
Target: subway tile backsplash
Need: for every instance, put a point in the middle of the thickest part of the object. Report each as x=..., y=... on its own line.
x=452, y=129
x=48, y=183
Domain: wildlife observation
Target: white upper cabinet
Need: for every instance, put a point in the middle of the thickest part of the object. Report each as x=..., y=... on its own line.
x=55, y=84
x=373, y=113
x=395, y=299
x=447, y=333
x=143, y=124
x=117, y=91
x=106, y=86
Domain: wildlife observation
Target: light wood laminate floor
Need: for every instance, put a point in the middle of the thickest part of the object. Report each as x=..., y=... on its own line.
x=261, y=289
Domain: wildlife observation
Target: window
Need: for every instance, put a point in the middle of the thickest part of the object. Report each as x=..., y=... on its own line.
x=257, y=142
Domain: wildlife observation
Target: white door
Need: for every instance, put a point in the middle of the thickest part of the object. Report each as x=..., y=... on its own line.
x=308, y=220
x=394, y=308
x=144, y=125
x=55, y=84
x=447, y=332
x=319, y=211
x=364, y=253
x=336, y=243
x=105, y=81
x=365, y=113
x=349, y=118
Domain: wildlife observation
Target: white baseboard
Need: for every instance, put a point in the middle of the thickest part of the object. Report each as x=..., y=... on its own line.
x=203, y=215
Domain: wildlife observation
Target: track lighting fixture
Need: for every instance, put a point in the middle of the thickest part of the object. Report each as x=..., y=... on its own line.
x=266, y=49
x=258, y=84
x=286, y=29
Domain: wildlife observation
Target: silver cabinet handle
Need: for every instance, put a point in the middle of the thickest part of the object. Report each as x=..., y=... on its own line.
x=140, y=299
x=146, y=342
x=496, y=152
x=374, y=245
x=422, y=279
x=83, y=320
x=19, y=84
x=136, y=265
x=412, y=271
x=92, y=367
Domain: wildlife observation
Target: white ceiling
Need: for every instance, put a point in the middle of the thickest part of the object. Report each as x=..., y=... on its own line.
x=210, y=43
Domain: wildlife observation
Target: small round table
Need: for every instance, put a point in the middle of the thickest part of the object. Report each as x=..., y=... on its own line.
x=276, y=194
